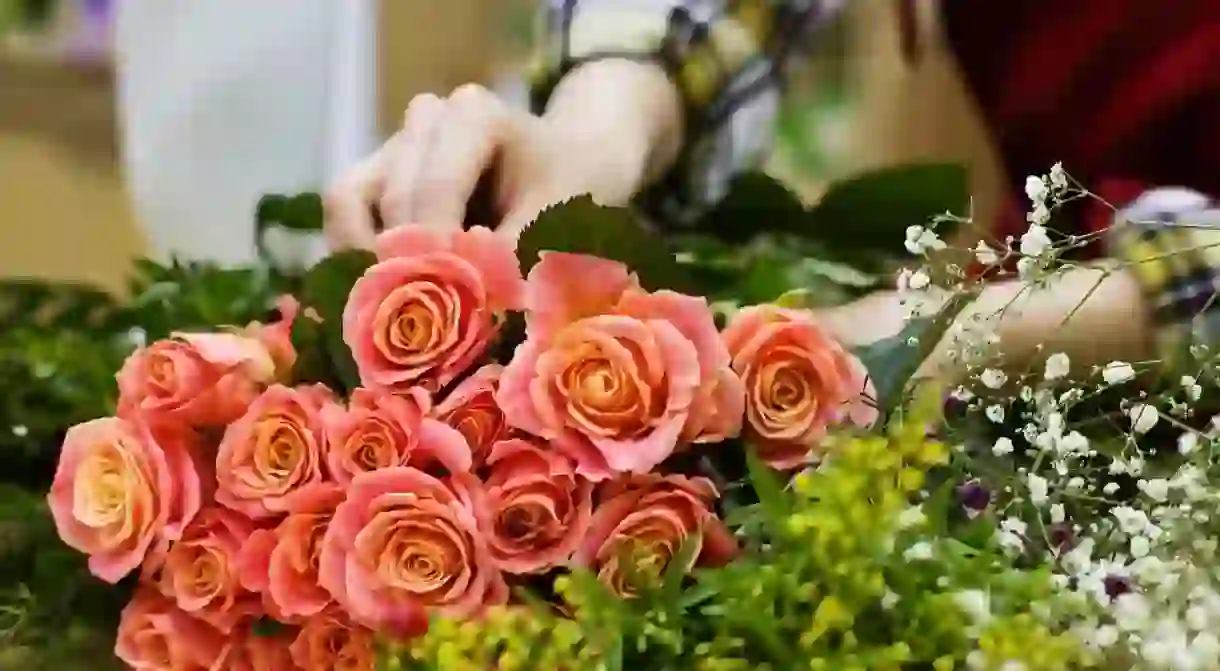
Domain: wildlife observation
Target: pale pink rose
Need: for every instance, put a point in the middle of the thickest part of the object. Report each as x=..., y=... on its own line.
x=201, y=569
x=615, y=377
x=405, y=544
x=331, y=640
x=123, y=489
x=249, y=650
x=156, y=635
x=275, y=449
x=276, y=337
x=799, y=381
x=537, y=510
x=199, y=379
x=282, y=563
x=648, y=519
x=471, y=409
x=431, y=306
x=380, y=429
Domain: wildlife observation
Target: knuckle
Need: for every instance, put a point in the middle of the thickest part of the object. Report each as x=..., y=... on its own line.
x=475, y=99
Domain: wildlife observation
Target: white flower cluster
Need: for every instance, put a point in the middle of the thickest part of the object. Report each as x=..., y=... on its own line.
x=1138, y=567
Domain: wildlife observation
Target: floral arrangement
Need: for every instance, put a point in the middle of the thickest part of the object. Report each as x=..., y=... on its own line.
x=597, y=448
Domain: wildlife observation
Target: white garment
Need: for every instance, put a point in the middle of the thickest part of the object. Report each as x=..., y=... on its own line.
x=225, y=100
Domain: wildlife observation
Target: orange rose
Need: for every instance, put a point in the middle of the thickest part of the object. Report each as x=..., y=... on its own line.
x=249, y=650
x=381, y=429
x=124, y=489
x=537, y=509
x=198, y=379
x=282, y=563
x=155, y=635
x=647, y=519
x=332, y=641
x=272, y=451
x=471, y=408
x=201, y=569
x=799, y=381
x=405, y=544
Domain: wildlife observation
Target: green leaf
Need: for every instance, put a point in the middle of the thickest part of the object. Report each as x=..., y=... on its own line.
x=325, y=289
x=768, y=487
x=872, y=212
x=580, y=226
x=756, y=203
x=892, y=362
x=301, y=212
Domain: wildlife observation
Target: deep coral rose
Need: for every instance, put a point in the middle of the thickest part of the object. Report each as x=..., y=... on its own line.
x=799, y=381
x=273, y=450
x=537, y=510
x=613, y=376
x=123, y=489
x=200, y=572
x=431, y=306
x=249, y=650
x=648, y=519
x=381, y=429
x=332, y=641
x=404, y=543
x=199, y=379
x=282, y=563
x=471, y=409
x=155, y=635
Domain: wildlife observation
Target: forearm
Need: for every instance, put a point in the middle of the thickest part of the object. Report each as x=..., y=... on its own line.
x=1092, y=315
x=628, y=112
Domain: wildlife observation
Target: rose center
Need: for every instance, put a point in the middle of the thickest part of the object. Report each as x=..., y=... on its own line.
x=280, y=452
x=101, y=491
x=209, y=568
x=374, y=448
x=522, y=523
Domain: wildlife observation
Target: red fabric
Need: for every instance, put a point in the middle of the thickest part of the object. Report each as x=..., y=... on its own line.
x=1122, y=92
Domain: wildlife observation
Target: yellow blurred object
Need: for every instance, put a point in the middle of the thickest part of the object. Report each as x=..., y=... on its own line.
x=65, y=214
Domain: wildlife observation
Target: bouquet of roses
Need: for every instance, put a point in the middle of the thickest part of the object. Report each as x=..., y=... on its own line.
x=427, y=429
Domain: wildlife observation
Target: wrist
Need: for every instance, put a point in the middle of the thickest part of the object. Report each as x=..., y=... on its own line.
x=621, y=117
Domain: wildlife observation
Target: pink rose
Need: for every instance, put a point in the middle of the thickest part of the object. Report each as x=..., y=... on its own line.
x=249, y=650
x=381, y=429
x=537, y=510
x=331, y=641
x=404, y=543
x=799, y=381
x=199, y=379
x=649, y=519
x=200, y=572
x=282, y=563
x=273, y=450
x=471, y=409
x=155, y=635
x=123, y=489
x=615, y=377
x=431, y=306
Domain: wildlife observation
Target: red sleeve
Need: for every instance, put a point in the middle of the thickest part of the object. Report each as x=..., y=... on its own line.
x=1126, y=93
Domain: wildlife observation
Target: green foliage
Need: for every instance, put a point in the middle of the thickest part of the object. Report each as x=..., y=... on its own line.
x=828, y=579
x=300, y=213
x=581, y=226
x=324, y=290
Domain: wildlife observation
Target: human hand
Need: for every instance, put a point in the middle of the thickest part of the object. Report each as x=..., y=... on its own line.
x=597, y=137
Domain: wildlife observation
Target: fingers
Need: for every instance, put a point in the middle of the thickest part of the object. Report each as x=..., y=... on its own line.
x=476, y=125
x=348, y=218
x=406, y=160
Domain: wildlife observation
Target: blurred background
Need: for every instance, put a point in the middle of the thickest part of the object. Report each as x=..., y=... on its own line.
x=97, y=166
